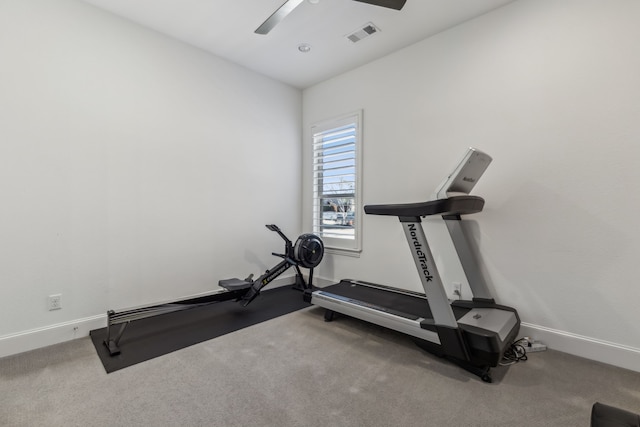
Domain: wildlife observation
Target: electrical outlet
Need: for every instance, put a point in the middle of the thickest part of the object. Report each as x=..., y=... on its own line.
x=457, y=291
x=54, y=302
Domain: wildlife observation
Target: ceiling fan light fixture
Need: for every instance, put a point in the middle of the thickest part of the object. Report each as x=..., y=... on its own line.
x=277, y=16
x=391, y=4
x=289, y=5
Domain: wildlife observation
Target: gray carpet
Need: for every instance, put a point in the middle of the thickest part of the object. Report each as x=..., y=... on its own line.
x=297, y=370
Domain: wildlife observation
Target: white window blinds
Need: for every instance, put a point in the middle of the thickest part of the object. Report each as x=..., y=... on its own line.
x=336, y=164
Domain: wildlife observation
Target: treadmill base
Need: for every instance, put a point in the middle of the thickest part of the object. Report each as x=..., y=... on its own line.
x=482, y=371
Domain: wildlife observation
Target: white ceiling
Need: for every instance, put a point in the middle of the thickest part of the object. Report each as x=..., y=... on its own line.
x=226, y=29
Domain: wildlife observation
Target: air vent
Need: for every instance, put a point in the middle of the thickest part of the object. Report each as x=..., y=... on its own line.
x=364, y=32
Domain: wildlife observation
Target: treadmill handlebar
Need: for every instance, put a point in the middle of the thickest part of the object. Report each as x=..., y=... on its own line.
x=456, y=205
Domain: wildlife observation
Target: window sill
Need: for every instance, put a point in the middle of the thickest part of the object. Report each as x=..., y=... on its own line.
x=354, y=253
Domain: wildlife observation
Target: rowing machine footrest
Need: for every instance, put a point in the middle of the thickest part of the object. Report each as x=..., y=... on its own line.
x=234, y=284
x=114, y=350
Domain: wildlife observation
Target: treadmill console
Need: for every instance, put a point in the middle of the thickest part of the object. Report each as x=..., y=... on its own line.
x=465, y=176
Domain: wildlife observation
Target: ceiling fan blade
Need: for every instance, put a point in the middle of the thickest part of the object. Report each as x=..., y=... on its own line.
x=391, y=4
x=278, y=16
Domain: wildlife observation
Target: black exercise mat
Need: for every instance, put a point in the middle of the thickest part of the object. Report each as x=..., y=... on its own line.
x=146, y=339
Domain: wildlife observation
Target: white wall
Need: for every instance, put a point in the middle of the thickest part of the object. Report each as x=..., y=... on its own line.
x=133, y=168
x=550, y=89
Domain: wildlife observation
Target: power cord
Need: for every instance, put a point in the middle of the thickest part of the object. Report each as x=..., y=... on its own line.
x=515, y=353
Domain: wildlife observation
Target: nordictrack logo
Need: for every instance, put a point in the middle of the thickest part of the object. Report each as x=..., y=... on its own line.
x=422, y=257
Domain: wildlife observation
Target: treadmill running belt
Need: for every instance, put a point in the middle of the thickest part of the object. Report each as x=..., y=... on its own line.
x=403, y=305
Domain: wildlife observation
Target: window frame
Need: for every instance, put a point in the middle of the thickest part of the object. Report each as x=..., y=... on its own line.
x=350, y=247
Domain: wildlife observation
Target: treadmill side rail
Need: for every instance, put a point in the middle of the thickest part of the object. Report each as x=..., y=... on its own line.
x=369, y=314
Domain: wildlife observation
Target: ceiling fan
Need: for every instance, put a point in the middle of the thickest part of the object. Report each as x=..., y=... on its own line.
x=289, y=5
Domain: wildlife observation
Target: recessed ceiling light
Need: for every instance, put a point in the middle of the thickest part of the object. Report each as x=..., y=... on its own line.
x=314, y=1
x=304, y=48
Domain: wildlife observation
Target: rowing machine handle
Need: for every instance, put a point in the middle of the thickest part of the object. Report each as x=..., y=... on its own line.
x=275, y=228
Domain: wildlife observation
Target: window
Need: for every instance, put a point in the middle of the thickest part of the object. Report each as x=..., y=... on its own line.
x=336, y=182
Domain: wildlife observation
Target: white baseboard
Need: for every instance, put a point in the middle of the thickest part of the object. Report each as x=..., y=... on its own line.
x=590, y=348
x=49, y=335
x=602, y=351
x=322, y=282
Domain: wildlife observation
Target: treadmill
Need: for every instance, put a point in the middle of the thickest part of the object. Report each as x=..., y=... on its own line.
x=474, y=333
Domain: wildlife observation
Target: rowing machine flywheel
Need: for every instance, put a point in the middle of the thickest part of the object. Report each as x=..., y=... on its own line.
x=308, y=250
